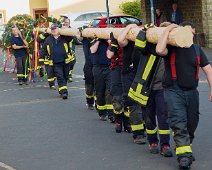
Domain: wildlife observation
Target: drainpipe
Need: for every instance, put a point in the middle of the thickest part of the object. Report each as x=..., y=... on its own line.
x=108, y=11
x=152, y=11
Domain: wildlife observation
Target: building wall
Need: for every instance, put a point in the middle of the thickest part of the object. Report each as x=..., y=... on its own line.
x=196, y=11
x=56, y=8
x=207, y=20
x=192, y=13
x=37, y=4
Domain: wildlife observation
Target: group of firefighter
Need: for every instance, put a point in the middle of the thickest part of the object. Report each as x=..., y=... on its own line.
x=145, y=89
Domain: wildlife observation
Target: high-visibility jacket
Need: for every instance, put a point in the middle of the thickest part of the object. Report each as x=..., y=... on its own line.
x=46, y=55
x=147, y=68
x=41, y=39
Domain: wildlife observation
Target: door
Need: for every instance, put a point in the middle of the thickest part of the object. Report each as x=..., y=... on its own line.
x=38, y=13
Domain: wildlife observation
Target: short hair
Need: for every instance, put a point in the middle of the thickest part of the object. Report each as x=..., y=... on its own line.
x=165, y=24
x=67, y=19
x=13, y=27
x=187, y=23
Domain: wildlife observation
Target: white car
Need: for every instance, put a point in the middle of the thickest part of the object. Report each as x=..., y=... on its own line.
x=84, y=18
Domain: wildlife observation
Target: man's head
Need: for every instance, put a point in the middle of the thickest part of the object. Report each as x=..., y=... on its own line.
x=15, y=31
x=174, y=6
x=66, y=22
x=157, y=11
x=55, y=30
x=190, y=25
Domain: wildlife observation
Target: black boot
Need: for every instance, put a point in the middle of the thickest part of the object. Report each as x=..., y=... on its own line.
x=102, y=115
x=118, y=123
x=184, y=162
x=20, y=83
x=90, y=107
x=111, y=116
x=139, y=139
x=126, y=124
x=65, y=96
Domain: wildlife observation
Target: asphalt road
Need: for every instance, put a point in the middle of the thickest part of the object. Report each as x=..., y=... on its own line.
x=40, y=131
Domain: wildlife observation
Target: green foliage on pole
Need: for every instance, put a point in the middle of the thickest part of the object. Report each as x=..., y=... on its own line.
x=132, y=8
x=25, y=24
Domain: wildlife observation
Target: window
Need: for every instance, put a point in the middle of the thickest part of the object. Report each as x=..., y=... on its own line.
x=95, y=22
x=113, y=21
x=91, y=16
x=129, y=19
x=0, y=16
x=87, y=17
x=104, y=14
x=81, y=18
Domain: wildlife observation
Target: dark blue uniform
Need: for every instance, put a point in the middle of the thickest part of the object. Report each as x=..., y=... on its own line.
x=88, y=74
x=21, y=58
x=131, y=107
x=59, y=56
x=102, y=80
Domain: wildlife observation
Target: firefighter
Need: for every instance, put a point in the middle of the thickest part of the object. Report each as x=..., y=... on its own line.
x=19, y=46
x=72, y=48
x=181, y=95
x=49, y=68
x=59, y=56
x=128, y=74
x=148, y=91
x=87, y=69
x=101, y=73
x=115, y=53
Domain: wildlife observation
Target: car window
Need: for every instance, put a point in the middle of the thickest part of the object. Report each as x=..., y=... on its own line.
x=91, y=16
x=104, y=14
x=81, y=18
x=95, y=22
x=113, y=21
x=131, y=19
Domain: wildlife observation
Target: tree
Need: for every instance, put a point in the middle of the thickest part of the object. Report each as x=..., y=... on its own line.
x=132, y=8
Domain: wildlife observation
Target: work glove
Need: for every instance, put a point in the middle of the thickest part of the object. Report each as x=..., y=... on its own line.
x=114, y=44
x=140, y=40
x=147, y=26
x=141, y=36
x=81, y=29
x=95, y=37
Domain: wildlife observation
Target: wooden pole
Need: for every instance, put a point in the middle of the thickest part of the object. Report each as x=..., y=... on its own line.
x=180, y=37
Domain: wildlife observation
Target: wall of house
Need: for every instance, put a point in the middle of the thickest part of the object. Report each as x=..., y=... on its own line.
x=196, y=11
x=207, y=20
x=56, y=9
x=37, y=4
